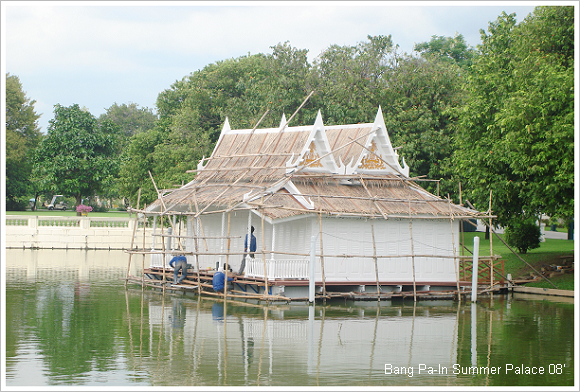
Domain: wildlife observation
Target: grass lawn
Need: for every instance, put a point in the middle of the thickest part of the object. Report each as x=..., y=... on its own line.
x=43, y=212
x=548, y=253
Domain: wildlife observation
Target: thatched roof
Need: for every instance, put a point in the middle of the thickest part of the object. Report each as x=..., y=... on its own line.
x=289, y=171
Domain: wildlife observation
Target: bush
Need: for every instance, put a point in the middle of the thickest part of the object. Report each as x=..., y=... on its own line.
x=16, y=205
x=97, y=208
x=523, y=235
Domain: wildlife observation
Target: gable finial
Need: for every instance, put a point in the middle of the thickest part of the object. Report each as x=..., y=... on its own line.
x=379, y=119
x=318, y=122
x=283, y=121
x=226, y=128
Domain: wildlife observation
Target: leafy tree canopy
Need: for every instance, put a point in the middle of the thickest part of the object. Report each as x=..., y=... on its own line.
x=419, y=97
x=22, y=136
x=129, y=118
x=77, y=157
x=516, y=131
x=450, y=48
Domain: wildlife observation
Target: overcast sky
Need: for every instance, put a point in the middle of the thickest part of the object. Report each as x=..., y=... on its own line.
x=97, y=53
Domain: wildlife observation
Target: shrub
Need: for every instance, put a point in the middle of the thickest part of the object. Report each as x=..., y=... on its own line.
x=97, y=208
x=523, y=235
x=84, y=208
x=16, y=205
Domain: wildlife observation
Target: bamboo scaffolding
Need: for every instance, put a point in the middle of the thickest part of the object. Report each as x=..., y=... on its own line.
x=322, y=255
x=133, y=236
x=453, y=244
x=193, y=236
x=375, y=260
x=241, y=155
x=254, y=129
x=226, y=269
x=196, y=244
x=352, y=214
x=490, y=238
x=412, y=255
x=349, y=256
x=144, y=230
x=263, y=253
x=288, y=122
x=213, y=193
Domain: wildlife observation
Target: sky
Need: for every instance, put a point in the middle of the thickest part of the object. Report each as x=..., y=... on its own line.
x=95, y=54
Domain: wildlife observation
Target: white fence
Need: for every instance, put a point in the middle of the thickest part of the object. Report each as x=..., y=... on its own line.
x=74, y=232
x=278, y=269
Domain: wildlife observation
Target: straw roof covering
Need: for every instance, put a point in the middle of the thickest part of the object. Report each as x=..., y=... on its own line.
x=291, y=171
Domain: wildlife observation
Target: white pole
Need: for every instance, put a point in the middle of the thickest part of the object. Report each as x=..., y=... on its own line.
x=474, y=269
x=310, y=360
x=474, y=334
x=312, y=263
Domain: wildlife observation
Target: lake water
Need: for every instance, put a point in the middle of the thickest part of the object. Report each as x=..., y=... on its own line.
x=71, y=322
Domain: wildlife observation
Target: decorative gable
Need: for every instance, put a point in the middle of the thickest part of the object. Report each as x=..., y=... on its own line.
x=316, y=154
x=378, y=155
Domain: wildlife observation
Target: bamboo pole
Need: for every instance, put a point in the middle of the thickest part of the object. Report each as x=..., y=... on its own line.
x=194, y=227
x=288, y=122
x=163, y=253
x=453, y=246
x=490, y=242
x=340, y=213
x=412, y=254
x=254, y=130
x=143, y=258
x=341, y=256
x=376, y=264
x=160, y=197
x=133, y=237
x=263, y=253
x=322, y=257
x=240, y=155
x=461, y=233
x=226, y=269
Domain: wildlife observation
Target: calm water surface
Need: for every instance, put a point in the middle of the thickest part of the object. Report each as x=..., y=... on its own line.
x=71, y=322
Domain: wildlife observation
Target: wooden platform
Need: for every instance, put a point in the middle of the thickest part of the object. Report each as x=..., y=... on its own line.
x=202, y=285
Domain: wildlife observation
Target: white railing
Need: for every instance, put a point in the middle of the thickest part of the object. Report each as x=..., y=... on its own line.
x=157, y=259
x=69, y=232
x=277, y=269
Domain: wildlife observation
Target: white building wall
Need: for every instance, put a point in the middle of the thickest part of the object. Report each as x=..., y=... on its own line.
x=342, y=239
x=353, y=236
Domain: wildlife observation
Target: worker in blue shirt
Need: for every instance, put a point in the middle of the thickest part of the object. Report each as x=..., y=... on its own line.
x=252, y=250
x=180, y=264
x=218, y=281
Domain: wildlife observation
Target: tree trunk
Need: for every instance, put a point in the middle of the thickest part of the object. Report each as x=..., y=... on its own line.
x=79, y=200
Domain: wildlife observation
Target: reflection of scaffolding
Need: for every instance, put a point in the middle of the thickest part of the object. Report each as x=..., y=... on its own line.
x=249, y=344
x=256, y=173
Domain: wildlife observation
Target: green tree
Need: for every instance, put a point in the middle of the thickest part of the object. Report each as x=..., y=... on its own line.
x=523, y=235
x=77, y=157
x=516, y=130
x=420, y=100
x=419, y=95
x=22, y=137
x=130, y=118
x=350, y=79
x=124, y=121
x=450, y=48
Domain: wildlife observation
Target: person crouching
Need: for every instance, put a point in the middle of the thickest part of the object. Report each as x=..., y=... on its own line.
x=218, y=281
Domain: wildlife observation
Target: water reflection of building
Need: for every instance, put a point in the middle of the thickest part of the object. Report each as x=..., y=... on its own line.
x=245, y=342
